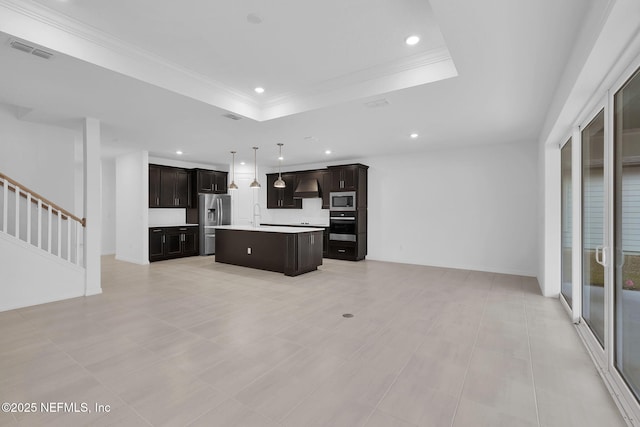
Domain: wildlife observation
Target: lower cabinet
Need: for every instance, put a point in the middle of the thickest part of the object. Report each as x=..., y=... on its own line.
x=309, y=253
x=350, y=251
x=172, y=242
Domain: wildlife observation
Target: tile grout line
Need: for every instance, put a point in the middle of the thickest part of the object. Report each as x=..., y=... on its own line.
x=533, y=379
x=375, y=408
x=101, y=383
x=473, y=348
x=382, y=329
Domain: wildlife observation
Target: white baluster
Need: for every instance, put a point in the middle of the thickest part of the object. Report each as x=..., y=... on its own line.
x=29, y=218
x=17, y=211
x=49, y=214
x=5, y=205
x=78, y=243
x=59, y=234
x=68, y=239
x=39, y=211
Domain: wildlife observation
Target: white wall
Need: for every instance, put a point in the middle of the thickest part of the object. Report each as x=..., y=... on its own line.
x=40, y=157
x=132, y=201
x=108, y=206
x=469, y=208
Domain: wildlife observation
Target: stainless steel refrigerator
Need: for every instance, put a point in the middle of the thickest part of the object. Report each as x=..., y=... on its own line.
x=215, y=209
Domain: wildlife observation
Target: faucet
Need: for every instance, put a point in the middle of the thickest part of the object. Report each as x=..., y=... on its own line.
x=256, y=216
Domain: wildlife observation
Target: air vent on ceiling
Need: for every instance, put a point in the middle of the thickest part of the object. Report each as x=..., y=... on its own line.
x=231, y=116
x=376, y=103
x=41, y=53
x=21, y=46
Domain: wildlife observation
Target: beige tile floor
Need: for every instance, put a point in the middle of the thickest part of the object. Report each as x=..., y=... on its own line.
x=191, y=342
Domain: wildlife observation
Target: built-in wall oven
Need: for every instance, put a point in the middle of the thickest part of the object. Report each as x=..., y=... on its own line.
x=343, y=226
x=342, y=201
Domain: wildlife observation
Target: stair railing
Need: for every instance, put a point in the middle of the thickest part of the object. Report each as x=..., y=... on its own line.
x=50, y=228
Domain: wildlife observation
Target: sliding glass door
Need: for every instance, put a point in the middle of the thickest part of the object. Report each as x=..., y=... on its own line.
x=627, y=232
x=593, y=223
x=566, y=223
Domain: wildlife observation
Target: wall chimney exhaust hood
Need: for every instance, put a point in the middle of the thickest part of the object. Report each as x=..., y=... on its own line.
x=307, y=188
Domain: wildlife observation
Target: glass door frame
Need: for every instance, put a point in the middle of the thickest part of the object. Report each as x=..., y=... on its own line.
x=575, y=309
x=598, y=353
x=604, y=358
x=613, y=378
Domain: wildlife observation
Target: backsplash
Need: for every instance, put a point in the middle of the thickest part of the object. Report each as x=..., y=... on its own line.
x=311, y=212
x=171, y=216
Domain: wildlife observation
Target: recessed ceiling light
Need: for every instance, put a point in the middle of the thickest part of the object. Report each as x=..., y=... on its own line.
x=327, y=152
x=259, y=89
x=413, y=135
x=280, y=158
x=412, y=40
x=178, y=152
x=242, y=163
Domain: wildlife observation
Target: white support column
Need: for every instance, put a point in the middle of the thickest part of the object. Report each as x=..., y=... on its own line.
x=92, y=205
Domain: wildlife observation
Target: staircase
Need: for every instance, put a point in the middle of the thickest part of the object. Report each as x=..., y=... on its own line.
x=41, y=249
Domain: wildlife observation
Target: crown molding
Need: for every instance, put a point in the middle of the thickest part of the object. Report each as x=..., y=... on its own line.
x=418, y=61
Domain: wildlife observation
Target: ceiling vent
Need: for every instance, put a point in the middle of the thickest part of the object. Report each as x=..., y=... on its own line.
x=231, y=116
x=376, y=103
x=21, y=46
x=41, y=53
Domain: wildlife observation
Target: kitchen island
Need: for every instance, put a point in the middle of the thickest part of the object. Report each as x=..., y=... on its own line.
x=289, y=250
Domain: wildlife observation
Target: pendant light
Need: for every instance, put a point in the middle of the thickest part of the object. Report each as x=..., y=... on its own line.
x=233, y=185
x=255, y=183
x=279, y=182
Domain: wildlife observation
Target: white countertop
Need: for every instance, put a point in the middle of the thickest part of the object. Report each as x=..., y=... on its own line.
x=297, y=224
x=270, y=228
x=172, y=225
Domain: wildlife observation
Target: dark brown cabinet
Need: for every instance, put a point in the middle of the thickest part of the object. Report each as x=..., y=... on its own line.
x=154, y=186
x=350, y=242
x=156, y=243
x=347, y=177
x=172, y=242
x=309, y=250
x=282, y=198
x=210, y=181
x=325, y=188
x=343, y=178
x=169, y=187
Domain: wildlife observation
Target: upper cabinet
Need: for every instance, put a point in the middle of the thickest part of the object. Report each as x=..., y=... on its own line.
x=345, y=178
x=325, y=188
x=169, y=187
x=282, y=198
x=154, y=186
x=209, y=181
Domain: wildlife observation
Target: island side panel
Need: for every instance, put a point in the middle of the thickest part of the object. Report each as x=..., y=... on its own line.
x=304, y=253
x=267, y=249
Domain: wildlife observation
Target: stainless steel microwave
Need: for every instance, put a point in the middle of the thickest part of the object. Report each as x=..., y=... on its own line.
x=342, y=201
